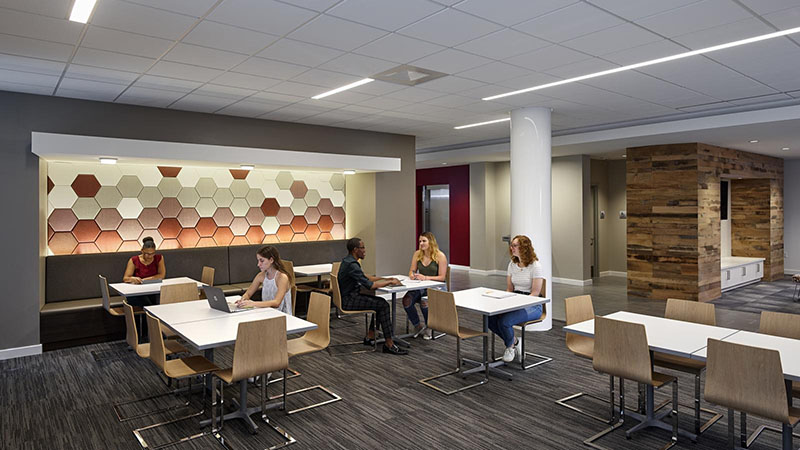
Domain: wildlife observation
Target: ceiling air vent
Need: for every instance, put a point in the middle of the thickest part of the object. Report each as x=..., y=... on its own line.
x=408, y=75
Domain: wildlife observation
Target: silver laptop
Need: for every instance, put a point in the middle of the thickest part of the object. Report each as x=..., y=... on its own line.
x=152, y=281
x=216, y=299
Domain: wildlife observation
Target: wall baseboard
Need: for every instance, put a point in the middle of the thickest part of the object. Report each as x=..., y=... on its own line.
x=457, y=267
x=572, y=282
x=487, y=272
x=18, y=352
x=613, y=273
x=790, y=271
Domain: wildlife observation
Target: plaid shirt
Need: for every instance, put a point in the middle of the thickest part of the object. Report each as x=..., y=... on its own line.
x=351, y=277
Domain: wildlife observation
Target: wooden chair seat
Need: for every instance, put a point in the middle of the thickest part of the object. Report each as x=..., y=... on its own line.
x=678, y=363
x=795, y=389
x=468, y=333
x=582, y=346
x=660, y=379
x=300, y=346
x=143, y=350
x=794, y=415
x=184, y=367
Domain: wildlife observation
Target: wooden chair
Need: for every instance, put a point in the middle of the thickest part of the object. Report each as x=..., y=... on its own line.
x=117, y=311
x=260, y=348
x=621, y=350
x=783, y=325
x=443, y=316
x=143, y=350
x=177, y=369
x=580, y=309
x=319, y=307
x=177, y=293
x=207, y=277
x=695, y=312
x=749, y=380
x=336, y=296
x=447, y=287
x=542, y=359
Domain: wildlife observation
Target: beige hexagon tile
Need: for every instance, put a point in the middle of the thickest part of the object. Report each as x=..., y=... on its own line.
x=312, y=197
x=337, y=181
x=169, y=187
x=62, y=197
x=148, y=174
x=337, y=198
x=86, y=208
x=188, y=197
x=150, y=197
x=284, y=198
x=255, y=197
x=107, y=175
x=298, y=207
x=325, y=189
x=239, y=188
x=284, y=180
x=108, y=197
x=239, y=207
x=62, y=174
x=188, y=176
x=129, y=186
x=206, y=187
x=256, y=178
x=239, y=226
x=270, y=225
x=188, y=217
x=206, y=207
x=223, y=197
x=129, y=208
x=157, y=239
x=222, y=177
x=338, y=231
x=270, y=188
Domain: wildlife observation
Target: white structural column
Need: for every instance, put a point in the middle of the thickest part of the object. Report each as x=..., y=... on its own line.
x=530, y=189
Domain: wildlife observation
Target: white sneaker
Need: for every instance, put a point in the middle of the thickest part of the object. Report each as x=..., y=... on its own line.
x=509, y=354
x=420, y=330
x=428, y=335
x=518, y=349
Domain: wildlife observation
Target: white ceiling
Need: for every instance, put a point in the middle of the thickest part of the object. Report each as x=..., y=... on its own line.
x=266, y=58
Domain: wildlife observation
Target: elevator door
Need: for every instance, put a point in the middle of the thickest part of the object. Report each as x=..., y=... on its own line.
x=436, y=217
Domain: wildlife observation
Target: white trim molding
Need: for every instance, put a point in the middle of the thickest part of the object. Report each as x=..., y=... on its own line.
x=487, y=272
x=613, y=273
x=790, y=271
x=19, y=352
x=572, y=282
x=458, y=267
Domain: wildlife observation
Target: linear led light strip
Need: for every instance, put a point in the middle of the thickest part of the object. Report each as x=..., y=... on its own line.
x=651, y=62
x=343, y=88
x=482, y=123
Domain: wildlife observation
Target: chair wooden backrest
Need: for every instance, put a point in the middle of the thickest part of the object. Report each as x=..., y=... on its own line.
x=207, y=276
x=319, y=312
x=260, y=348
x=294, y=298
x=543, y=291
x=335, y=268
x=620, y=349
x=780, y=324
x=131, y=334
x=447, y=278
x=158, y=352
x=691, y=311
x=578, y=309
x=442, y=312
x=104, y=292
x=746, y=379
x=336, y=294
x=176, y=293
x=289, y=266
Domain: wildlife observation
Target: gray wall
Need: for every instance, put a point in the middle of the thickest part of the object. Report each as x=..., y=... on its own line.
x=490, y=215
x=571, y=219
x=791, y=216
x=609, y=177
x=20, y=114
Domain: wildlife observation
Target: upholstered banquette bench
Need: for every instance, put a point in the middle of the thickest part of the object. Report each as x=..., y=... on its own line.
x=73, y=311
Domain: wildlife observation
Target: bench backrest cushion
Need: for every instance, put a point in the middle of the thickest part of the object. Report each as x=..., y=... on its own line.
x=242, y=258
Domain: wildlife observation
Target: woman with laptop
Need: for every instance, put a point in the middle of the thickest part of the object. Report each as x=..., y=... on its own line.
x=142, y=268
x=275, y=280
x=427, y=263
x=524, y=277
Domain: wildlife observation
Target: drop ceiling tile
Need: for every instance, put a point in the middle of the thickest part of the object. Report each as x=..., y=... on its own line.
x=184, y=71
x=579, y=68
x=194, y=8
x=99, y=74
x=450, y=101
x=769, y=6
x=568, y=23
x=359, y=65
x=53, y=8
x=110, y=60
x=90, y=90
x=384, y=103
x=449, y=28
x=645, y=87
x=709, y=78
x=512, y=11
x=124, y=42
x=414, y=94
x=336, y=33
x=31, y=79
x=640, y=8
x=398, y=48
x=166, y=84
x=451, y=84
x=386, y=14
x=761, y=99
x=299, y=110
x=298, y=89
x=451, y=61
x=269, y=68
x=378, y=88
x=259, y=15
x=494, y=72
x=215, y=90
x=349, y=97
x=32, y=65
x=296, y=52
x=20, y=46
x=695, y=17
x=503, y=44
x=139, y=19
x=614, y=39
x=201, y=103
x=324, y=78
x=203, y=56
x=760, y=61
x=245, y=81
x=250, y=108
x=724, y=33
x=645, y=52
x=547, y=58
x=39, y=27
x=361, y=109
x=274, y=97
x=316, y=5
x=226, y=37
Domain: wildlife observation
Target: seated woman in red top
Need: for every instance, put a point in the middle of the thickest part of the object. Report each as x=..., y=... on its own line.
x=146, y=266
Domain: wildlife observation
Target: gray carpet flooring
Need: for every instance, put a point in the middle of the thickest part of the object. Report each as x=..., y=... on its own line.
x=773, y=296
x=63, y=400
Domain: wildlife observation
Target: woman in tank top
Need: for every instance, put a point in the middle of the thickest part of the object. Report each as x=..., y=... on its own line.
x=428, y=263
x=145, y=266
x=275, y=280
x=524, y=277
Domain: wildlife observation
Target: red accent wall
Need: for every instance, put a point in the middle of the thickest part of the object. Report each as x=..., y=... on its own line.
x=458, y=179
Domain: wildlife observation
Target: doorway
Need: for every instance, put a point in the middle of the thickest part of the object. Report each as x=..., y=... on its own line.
x=436, y=214
x=595, y=213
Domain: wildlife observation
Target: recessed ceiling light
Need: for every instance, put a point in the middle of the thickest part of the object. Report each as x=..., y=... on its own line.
x=754, y=141
x=624, y=156
x=652, y=62
x=785, y=148
x=81, y=10
x=343, y=88
x=461, y=127
x=247, y=167
x=108, y=160
x=444, y=164
x=349, y=172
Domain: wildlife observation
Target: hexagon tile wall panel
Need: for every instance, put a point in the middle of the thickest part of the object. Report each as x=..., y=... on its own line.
x=95, y=208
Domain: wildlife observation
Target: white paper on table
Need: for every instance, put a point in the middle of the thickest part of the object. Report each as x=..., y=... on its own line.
x=497, y=294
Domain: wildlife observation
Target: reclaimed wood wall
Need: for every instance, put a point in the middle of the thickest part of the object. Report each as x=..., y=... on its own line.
x=673, y=225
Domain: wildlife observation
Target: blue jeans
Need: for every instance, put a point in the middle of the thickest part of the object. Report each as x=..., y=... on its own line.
x=503, y=324
x=411, y=310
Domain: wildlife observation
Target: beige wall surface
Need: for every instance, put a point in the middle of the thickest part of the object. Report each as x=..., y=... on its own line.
x=490, y=215
x=616, y=237
x=571, y=193
x=360, y=210
x=791, y=187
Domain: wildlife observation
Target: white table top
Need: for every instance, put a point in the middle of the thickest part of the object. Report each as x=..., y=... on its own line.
x=788, y=348
x=183, y=312
x=132, y=290
x=219, y=332
x=409, y=285
x=313, y=270
x=670, y=336
x=474, y=300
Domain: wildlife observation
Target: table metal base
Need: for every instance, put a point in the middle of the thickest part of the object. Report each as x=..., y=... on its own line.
x=493, y=369
x=242, y=411
x=653, y=418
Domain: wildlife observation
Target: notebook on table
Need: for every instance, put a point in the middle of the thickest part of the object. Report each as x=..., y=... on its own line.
x=217, y=300
x=152, y=281
x=498, y=294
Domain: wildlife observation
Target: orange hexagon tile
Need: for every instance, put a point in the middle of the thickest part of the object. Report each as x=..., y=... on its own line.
x=206, y=242
x=86, y=231
x=270, y=207
x=188, y=238
x=325, y=206
x=223, y=217
x=299, y=237
x=254, y=216
x=130, y=246
x=285, y=233
x=130, y=229
x=62, y=243
x=239, y=226
x=255, y=234
x=240, y=240
x=169, y=228
x=312, y=215
x=223, y=236
x=299, y=224
x=85, y=185
x=270, y=239
x=325, y=237
x=85, y=248
x=188, y=218
x=50, y=185
x=108, y=241
x=206, y=227
x=285, y=216
x=337, y=231
x=108, y=219
x=239, y=174
x=62, y=220
x=312, y=232
x=169, y=207
x=325, y=224
x=337, y=215
x=168, y=244
x=50, y=232
x=169, y=172
x=298, y=189
x=150, y=218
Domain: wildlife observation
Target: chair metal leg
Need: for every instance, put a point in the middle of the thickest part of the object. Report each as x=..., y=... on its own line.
x=716, y=416
x=374, y=346
x=563, y=402
x=590, y=441
x=542, y=359
x=138, y=432
x=764, y=428
x=427, y=381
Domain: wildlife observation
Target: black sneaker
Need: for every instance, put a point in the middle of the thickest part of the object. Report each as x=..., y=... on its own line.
x=369, y=342
x=394, y=349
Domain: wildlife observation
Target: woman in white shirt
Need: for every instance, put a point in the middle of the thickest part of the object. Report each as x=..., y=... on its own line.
x=524, y=277
x=275, y=282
